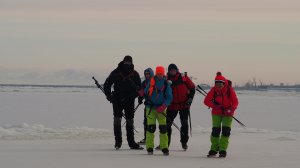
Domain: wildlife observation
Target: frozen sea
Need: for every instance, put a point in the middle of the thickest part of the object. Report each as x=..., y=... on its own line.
x=69, y=107
x=71, y=127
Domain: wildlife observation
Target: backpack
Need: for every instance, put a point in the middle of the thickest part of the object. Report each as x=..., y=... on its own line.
x=181, y=80
x=152, y=87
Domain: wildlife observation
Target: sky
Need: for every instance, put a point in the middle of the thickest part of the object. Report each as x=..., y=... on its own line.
x=68, y=41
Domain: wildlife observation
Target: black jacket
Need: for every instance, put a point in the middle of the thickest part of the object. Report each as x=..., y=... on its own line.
x=124, y=82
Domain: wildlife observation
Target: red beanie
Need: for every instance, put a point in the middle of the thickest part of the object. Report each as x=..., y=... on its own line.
x=160, y=70
x=220, y=78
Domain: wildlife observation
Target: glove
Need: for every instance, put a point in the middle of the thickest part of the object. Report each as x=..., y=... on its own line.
x=161, y=108
x=189, y=101
x=141, y=92
x=229, y=112
x=140, y=100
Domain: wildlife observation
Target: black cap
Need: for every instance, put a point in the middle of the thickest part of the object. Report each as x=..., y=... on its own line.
x=127, y=58
x=172, y=66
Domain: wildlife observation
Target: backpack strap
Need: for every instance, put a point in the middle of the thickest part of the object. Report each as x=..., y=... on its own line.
x=229, y=87
x=153, y=87
x=127, y=76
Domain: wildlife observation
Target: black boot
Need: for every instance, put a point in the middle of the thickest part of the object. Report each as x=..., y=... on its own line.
x=222, y=154
x=150, y=151
x=165, y=151
x=130, y=135
x=212, y=153
x=118, y=145
x=118, y=132
x=184, y=146
x=136, y=147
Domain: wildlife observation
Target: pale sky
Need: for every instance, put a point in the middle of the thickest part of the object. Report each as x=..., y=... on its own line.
x=67, y=41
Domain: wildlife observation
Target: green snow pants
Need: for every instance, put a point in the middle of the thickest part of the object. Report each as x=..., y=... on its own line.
x=220, y=123
x=151, y=127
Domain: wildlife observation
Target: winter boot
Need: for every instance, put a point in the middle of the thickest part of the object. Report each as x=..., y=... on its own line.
x=165, y=151
x=184, y=146
x=118, y=145
x=150, y=151
x=117, y=132
x=135, y=146
x=212, y=153
x=222, y=154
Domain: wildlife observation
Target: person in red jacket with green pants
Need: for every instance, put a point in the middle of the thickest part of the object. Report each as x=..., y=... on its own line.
x=223, y=101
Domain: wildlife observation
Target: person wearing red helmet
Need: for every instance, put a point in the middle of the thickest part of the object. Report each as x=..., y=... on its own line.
x=223, y=101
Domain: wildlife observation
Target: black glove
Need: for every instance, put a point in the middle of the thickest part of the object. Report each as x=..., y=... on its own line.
x=141, y=100
x=189, y=101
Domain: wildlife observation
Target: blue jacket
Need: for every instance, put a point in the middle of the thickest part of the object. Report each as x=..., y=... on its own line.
x=159, y=97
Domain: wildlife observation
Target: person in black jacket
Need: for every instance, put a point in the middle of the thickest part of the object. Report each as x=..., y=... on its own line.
x=126, y=81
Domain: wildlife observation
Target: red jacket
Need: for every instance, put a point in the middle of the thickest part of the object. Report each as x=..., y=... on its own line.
x=226, y=98
x=183, y=88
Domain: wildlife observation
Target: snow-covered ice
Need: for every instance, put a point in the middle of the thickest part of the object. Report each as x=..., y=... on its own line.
x=72, y=127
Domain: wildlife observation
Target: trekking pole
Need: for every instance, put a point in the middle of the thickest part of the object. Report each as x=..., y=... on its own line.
x=243, y=125
x=200, y=92
x=123, y=115
x=200, y=89
x=175, y=125
x=190, y=123
x=135, y=109
x=97, y=84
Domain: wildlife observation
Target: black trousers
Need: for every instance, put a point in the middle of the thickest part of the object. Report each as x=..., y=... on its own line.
x=128, y=114
x=184, y=115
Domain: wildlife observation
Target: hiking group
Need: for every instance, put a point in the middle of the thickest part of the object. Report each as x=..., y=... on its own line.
x=165, y=95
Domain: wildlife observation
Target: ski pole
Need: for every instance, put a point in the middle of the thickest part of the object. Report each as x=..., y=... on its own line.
x=243, y=125
x=123, y=115
x=175, y=125
x=202, y=89
x=97, y=84
x=134, y=111
x=190, y=123
x=200, y=92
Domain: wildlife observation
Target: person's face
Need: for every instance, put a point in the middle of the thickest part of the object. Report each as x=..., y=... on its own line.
x=173, y=72
x=147, y=75
x=219, y=85
x=127, y=63
x=160, y=76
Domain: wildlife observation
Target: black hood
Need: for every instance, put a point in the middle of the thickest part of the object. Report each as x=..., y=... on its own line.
x=120, y=68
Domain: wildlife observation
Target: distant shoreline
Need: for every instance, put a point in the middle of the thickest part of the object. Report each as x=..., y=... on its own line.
x=206, y=87
x=47, y=85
